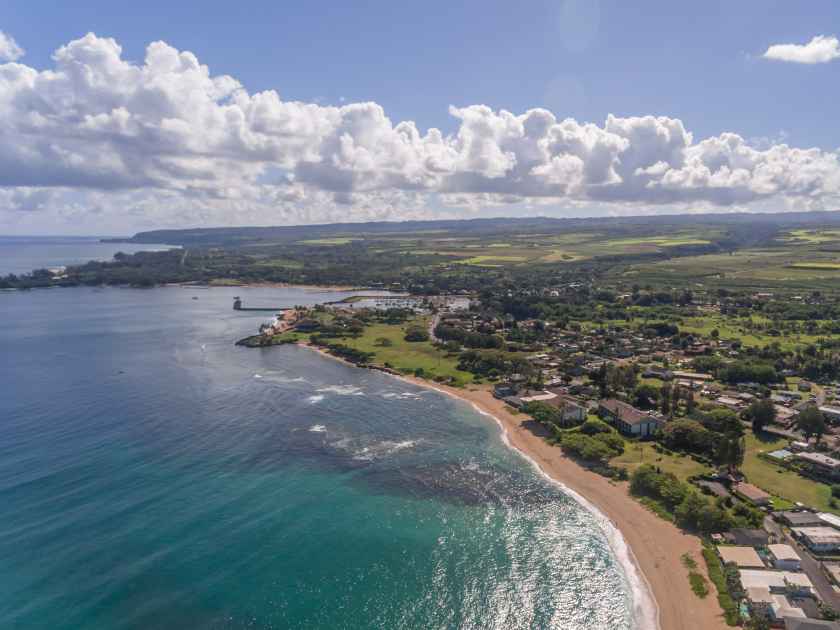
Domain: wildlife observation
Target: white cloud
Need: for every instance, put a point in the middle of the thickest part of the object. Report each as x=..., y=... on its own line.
x=9, y=49
x=164, y=142
x=820, y=49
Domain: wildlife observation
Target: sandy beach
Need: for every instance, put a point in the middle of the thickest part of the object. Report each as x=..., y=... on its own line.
x=656, y=546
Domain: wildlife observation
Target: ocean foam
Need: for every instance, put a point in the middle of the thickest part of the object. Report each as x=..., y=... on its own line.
x=382, y=449
x=645, y=608
x=342, y=390
x=317, y=428
x=315, y=399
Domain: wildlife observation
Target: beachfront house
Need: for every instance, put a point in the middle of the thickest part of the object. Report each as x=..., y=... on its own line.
x=742, y=557
x=571, y=413
x=627, y=419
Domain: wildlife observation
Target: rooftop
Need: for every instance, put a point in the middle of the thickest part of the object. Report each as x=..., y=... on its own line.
x=783, y=552
x=819, y=535
x=750, y=491
x=758, y=578
x=820, y=459
x=829, y=519
x=742, y=556
x=625, y=412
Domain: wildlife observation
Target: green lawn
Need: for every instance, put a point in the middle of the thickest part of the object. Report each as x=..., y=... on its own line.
x=779, y=481
x=738, y=329
x=638, y=453
x=405, y=355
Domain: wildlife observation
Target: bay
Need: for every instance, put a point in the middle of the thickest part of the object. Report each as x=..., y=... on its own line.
x=154, y=475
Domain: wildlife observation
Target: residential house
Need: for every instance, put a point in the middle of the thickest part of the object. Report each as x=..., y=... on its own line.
x=819, y=539
x=503, y=390
x=747, y=537
x=751, y=493
x=798, y=519
x=627, y=419
x=782, y=582
x=820, y=465
x=784, y=557
x=742, y=557
x=571, y=412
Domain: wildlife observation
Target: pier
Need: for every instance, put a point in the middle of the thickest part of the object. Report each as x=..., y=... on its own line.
x=237, y=306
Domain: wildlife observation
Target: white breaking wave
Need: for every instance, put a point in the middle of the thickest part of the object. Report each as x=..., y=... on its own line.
x=382, y=449
x=403, y=395
x=317, y=428
x=342, y=390
x=645, y=607
x=315, y=399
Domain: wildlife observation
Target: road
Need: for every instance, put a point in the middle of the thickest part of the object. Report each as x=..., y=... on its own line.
x=432, y=325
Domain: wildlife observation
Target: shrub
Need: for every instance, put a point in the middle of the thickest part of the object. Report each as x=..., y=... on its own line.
x=725, y=601
x=416, y=333
x=592, y=426
x=587, y=448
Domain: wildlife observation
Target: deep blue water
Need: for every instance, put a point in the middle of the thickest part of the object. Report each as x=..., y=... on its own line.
x=22, y=254
x=153, y=475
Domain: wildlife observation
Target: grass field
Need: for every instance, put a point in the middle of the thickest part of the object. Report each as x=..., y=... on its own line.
x=638, y=453
x=779, y=481
x=803, y=267
x=490, y=260
x=813, y=236
x=329, y=241
x=738, y=329
x=834, y=266
x=405, y=355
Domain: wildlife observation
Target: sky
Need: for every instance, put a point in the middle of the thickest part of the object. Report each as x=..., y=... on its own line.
x=119, y=117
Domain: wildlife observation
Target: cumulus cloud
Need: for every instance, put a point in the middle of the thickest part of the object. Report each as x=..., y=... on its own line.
x=166, y=140
x=9, y=49
x=821, y=49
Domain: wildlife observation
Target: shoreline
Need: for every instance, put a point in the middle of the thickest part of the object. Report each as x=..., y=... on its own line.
x=648, y=547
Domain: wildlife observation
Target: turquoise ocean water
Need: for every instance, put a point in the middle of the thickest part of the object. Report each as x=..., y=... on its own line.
x=153, y=475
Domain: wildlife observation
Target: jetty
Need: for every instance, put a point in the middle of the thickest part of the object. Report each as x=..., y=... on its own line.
x=237, y=306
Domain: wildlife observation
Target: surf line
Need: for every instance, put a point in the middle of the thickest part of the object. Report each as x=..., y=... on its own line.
x=645, y=606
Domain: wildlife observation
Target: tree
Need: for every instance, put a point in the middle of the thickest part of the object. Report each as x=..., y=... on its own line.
x=729, y=451
x=688, y=435
x=761, y=413
x=689, y=401
x=645, y=396
x=665, y=399
x=416, y=333
x=811, y=422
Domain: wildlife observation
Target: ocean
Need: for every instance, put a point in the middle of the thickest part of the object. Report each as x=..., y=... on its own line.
x=22, y=254
x=154, y=475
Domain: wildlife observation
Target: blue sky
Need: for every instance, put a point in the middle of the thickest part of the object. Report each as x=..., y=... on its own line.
x=700, y=63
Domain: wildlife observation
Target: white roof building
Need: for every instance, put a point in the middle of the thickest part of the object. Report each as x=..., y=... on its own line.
x=829, y=519
x=774, y=581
